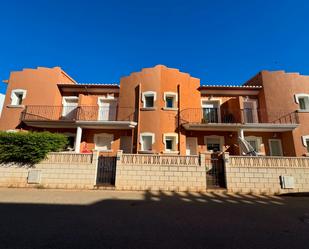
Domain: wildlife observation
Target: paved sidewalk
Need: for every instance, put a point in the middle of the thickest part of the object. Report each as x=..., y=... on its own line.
x=35, y=218
x=70, y=197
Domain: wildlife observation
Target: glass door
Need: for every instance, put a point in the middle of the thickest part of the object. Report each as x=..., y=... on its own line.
x=210, y=112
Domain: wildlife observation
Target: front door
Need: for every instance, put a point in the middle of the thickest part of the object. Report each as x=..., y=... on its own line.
x=215, y=175
x=191, y=146
x=275, y=147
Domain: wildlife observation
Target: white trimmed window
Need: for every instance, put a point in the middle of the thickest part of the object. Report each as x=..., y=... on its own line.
x=170, y=99
x=305, y=140
x=214, y=143
x=69, y=106
x=302, y=99
x=147, y=139
x=255, y=142
x=170, y=141
x=103, y=141
x=17, y=96
x=149, y=99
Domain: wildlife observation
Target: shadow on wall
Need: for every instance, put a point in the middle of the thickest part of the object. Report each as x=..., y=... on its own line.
x=159, y=220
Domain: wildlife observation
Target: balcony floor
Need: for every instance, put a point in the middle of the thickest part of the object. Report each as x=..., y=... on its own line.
x=236, y=126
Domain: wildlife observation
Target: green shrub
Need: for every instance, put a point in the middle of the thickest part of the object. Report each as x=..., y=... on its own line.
x=29, y=147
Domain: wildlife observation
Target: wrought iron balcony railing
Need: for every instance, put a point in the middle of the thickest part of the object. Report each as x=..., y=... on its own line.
x=231, y=116
x=81, y=113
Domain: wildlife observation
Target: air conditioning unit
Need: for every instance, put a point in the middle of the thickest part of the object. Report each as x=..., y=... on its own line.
x=287, y=182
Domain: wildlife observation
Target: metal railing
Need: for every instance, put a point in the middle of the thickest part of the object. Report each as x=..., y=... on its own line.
x=72, y=113
x=233, y=116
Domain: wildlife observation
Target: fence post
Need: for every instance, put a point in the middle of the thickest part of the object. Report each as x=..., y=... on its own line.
x=95, y=160
x=203, y=164
x=202, y=159
x=118, y=168
x=226, y=161
x=119, y=155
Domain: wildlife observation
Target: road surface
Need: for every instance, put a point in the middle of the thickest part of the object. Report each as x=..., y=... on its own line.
x=39, y=218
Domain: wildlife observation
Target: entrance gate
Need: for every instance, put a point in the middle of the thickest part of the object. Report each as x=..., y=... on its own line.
x=215, y=175
x=106, y=174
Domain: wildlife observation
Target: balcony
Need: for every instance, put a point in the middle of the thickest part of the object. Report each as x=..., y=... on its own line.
x=69, y=116
x=232, y=119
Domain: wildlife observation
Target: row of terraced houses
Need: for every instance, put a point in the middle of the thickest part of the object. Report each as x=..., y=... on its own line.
x=161, y=110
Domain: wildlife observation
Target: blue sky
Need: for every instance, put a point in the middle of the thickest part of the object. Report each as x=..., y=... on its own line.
x=219, y=41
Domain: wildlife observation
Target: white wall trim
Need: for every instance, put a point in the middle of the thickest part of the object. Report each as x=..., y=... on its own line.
x=170, y=94
x=152, y=135
x=13, y=94
x=304, y=138
x=300, y=95
x=108, y=97
x=221, y=139
x=147, y=134
x=259, y=141
x=211, y=99
x=149, y=93
x=175, y=136
x=172, y=134
x=65, y=98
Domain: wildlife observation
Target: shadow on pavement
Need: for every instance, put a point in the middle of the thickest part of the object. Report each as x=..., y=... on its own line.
x=160, y=220
x=301, y=194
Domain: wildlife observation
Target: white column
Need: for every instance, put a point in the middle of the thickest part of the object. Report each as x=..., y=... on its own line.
x=241, y=133
x=78, y=138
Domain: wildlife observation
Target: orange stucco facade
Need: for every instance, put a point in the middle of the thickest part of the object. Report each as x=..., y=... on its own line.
x=162, y=110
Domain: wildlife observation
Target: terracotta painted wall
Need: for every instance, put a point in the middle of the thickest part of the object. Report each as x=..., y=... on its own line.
x=159, y=79
x=231, y=140
x=278, y=93
x=88, y=137
x=41, y=86
x=262, y=105
x=274, y=100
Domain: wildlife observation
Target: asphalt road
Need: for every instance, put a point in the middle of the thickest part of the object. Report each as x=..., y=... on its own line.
x=108, y=219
